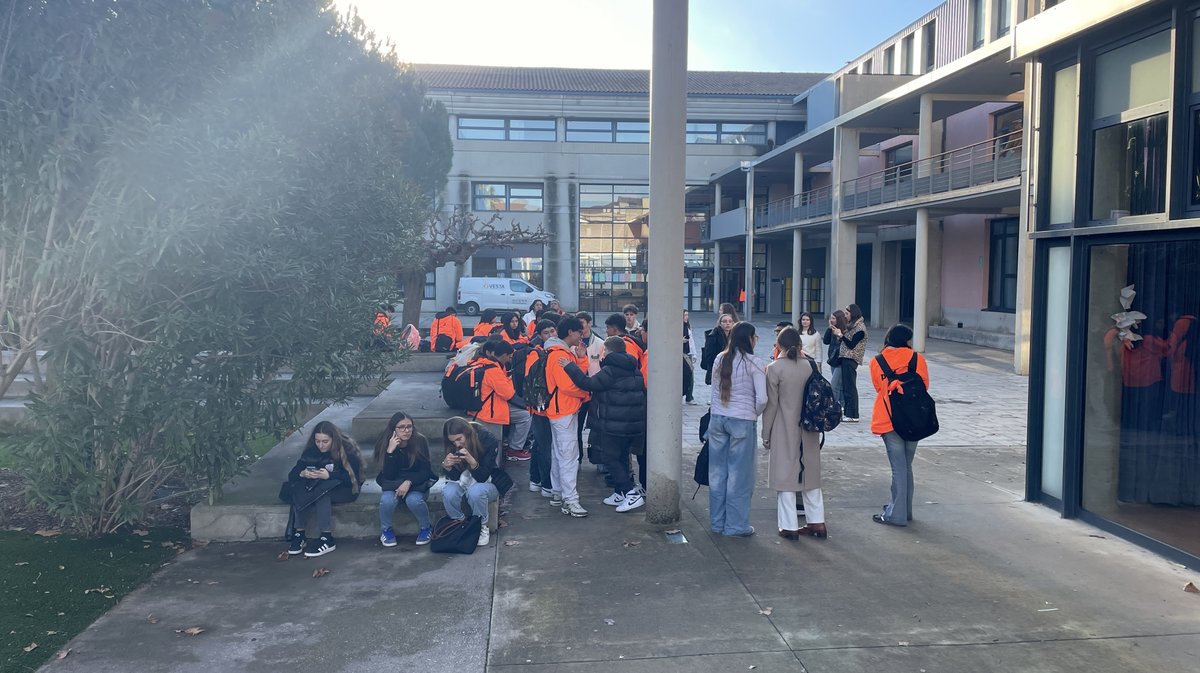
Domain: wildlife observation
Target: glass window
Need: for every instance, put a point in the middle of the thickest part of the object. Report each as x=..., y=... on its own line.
x=503, y=196
x=889, y=60
x=612, y=246
x=701, y=134
x=1058, y=293
x=1003, y=17
x=430, y=286
x=867, y=66
x=978, y=19
x=1141, y=424
x=898, y=163
x=1133, y=76
x=1002, y=266
x=1063, y=127
x=906, y=54
x=929, y=44
x=607, y=131
x=479, y=128
x=1129, y=169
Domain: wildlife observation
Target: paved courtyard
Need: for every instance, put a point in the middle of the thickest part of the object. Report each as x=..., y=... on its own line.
x=981, y=581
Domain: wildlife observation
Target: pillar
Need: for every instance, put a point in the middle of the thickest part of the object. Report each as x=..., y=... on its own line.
x=797, y=275
x=716, y=199
x=748, y=281
x=924, y=134
x=844, y=234
x=798, y=173
x=668, y=117
x=1021, y=326
x=921, y=282
x=716, y=276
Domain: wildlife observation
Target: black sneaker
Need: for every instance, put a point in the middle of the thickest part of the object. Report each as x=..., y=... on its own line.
x=297, y=543
x=323, y=546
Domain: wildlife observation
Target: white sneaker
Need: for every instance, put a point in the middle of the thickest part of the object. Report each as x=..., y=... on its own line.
x=614, y=499
x=547, y=493
x=484, y=536
x=632, y=501
x=574, y=509
x=534, y=488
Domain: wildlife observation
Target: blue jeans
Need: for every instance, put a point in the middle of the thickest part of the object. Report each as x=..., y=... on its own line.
x=478, y=496
x=731, y=443
x=900, y=455
x=414, y=500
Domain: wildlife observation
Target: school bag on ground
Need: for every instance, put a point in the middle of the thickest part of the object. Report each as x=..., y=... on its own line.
x=700, y=474
x=462, y=386
x=911, y=409
x=820, y=410
x=536, y=390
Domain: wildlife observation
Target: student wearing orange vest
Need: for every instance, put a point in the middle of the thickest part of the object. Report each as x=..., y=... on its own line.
x=446, y=323
x=566, y=398
x=897, y=352
x=511, y=330
x=487, y=322
x=614, y=325
x=541, y=478
x=496, y=390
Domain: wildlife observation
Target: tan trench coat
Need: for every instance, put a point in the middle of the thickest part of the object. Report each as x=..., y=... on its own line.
x=781, y=428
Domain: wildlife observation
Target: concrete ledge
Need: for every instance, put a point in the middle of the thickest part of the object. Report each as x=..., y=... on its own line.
x=422, y=362
x=417, y=394
x=358, y=519
x=997, y=340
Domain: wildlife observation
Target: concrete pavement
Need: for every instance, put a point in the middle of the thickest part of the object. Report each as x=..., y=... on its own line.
x=980, y=582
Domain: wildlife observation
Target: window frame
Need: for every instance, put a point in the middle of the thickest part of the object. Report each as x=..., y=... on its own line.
x=908, y=60
x=506, y=129
x=507, y=196
x=929, y=45
x=615, y=131
x=1002, y=16
x=893, y=173
x=977, y=11
x=722, y=135
x=996, y=243
x=889, y=60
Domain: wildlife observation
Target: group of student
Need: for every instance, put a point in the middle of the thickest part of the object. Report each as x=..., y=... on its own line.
x=744, y=388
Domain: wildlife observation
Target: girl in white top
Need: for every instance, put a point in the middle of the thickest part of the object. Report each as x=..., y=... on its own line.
x=810, y=340
x=738, y=398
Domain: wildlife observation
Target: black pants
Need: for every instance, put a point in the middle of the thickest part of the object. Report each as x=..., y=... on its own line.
x=849, y=374
x=616, y=450
x=689, y=379
x=581, y=421
x=543, y=444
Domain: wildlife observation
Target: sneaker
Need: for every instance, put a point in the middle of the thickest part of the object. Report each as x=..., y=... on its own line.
x=534, y=487
x=746, y=534
x=547, y=493
x=556, y=500
x=518, y=454
x=850, y=419
x=325, y=544
x=297, y=543
x=485, y=536
x=632, y=501
x=574, y=509
x=615, y=499
x=424, y=535
x=388, y=538
x=691, y=402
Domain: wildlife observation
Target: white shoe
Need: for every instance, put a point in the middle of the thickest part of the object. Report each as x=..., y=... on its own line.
x=547, y=493
x=574, y=509
x=614, y=499
x=632, y=501
x=534, y=488
x=485, y=536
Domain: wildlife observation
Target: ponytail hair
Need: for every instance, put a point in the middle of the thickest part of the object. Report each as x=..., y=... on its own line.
x=789, y=343
x=741, y=340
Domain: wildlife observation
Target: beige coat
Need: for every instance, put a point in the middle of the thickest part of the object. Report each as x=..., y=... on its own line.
x=782, y=431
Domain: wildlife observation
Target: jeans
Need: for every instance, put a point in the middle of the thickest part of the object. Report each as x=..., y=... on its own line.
x=414, y=500
x=564, y=459
x=835, y=380
x=900, y=455
x=477, y=496
x=731, y=443
x=849, y=381
x=543, y=446
x=615, y=453
x=323, y=506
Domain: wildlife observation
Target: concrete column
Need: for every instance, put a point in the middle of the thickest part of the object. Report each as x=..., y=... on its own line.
x=798, y=173
x=921, y=282
x=716, y=276
x=797, y=274
x=924, y=134
x=748, y=282
x=716, y=199
x=878, y=250
x=668, y=117
x=1028, y=213
x=844, y=235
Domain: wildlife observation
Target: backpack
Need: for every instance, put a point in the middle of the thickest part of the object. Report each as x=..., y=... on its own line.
x=911, y=409
x=535, y=389
x=820, y=411
x=462, y=386
x=443, y=344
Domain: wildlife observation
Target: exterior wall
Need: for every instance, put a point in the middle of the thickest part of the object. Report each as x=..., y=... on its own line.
x=965, y=276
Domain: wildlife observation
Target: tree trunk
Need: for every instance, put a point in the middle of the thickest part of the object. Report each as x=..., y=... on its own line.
x=414, y=292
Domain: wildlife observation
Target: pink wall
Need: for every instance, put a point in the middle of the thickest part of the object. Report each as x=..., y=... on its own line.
x=971, y=126
x=964, y=262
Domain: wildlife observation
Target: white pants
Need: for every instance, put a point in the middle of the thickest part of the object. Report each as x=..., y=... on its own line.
x=564, y=459
x=814, y=508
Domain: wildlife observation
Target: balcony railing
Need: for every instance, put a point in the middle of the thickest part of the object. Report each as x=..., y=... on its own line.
x=971, y=166
x=815, y=203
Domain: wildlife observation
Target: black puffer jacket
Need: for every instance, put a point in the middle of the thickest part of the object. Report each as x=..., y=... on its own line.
x=714, y=344
x=618, y=395
x=396, y=470
x=347, y=484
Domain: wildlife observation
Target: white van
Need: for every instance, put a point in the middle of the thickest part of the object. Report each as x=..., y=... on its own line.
x=510, y=294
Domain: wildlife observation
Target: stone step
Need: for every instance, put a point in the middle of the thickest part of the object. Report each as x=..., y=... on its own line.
x=417, y=394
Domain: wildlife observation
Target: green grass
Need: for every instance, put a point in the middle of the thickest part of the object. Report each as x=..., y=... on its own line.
x=260, y=443
x=7, y=442
x=44, y=582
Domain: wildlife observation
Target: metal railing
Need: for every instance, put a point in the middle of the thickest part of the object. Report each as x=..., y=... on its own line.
x=982, y=163
x=815, y=203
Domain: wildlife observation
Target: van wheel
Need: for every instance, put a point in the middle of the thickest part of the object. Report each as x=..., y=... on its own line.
x=471, y=308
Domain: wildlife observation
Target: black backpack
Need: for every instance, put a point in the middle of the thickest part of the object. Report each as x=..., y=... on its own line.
x=443, y=344
x=462, y=386
x=821, y=412
x=535, y=389
x=911, y=409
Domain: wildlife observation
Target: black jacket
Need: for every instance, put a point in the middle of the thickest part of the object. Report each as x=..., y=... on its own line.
x=490, y=448
x=346, y=490
x=396, y=470
x=618, y=404
x=714, y=343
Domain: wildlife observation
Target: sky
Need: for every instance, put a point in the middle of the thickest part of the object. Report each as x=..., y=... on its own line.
x=762, y=35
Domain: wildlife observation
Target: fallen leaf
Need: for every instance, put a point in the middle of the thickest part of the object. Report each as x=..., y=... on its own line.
x=192, y=630
x=321, y=572
x=610, y=622
x=62, y=654
x=511, y=543
x=48, y=532
x=1101, y=537
x=52, y=633
x=1190, y=587
x=30, y=647
x=766, y=612
x=141, y=533
x=283, y=556
x=21, y=563
x=502, y=524
x=151, y=619
x=630, y=543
